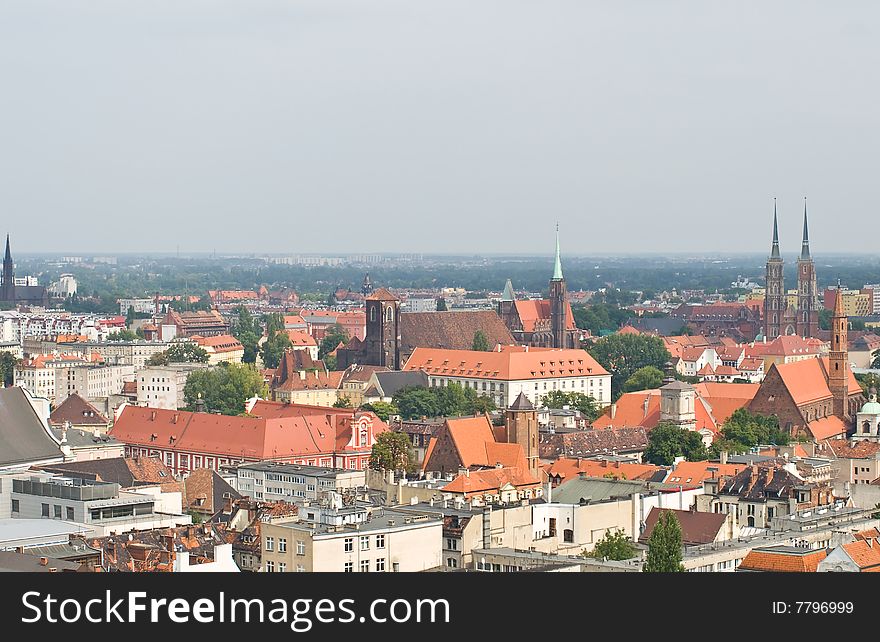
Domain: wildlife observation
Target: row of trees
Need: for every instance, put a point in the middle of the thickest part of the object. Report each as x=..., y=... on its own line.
x=224, y=389
x=453, y=400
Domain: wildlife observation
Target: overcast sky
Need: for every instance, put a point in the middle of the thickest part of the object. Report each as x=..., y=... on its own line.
x=437, y=126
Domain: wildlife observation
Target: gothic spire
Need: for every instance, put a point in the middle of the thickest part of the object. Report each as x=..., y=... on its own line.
x=8, y=256
x=508, y=294
x=774, y=252
x=557, y=267
x=805, y=244
x=838, y=302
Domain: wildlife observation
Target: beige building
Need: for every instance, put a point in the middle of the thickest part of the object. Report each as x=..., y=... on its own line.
x=388, y=542
x=222, y=348
x=162, y=386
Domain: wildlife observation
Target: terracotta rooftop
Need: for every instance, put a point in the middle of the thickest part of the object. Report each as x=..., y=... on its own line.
x=783, y=559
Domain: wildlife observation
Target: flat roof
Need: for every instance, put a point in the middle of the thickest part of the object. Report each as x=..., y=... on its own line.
x=297, y=469
x=18, y=529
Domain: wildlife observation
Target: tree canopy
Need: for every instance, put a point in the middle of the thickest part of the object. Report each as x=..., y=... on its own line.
x=276, y=341
x=744, y=429
x=614, y=545
x=224, y=389
x=8, y=361
x=335, y=335
x=645, y=378
x=576, y=400
x=664, y=546
x=443, y=401
x=481, y=343
x=382, y=409
x=666, y=441
x=624, y=354
x=392, y=451
x=183, y=352
x=247, y=330
x=123, y=335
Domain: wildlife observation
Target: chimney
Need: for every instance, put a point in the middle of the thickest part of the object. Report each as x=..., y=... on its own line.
x=613, y=410
x=44, y=561
x=723, y=457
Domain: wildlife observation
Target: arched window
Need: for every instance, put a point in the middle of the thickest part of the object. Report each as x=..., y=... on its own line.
x=751, y=521
x=372, y=313
x=866, y=427
x=389, y=314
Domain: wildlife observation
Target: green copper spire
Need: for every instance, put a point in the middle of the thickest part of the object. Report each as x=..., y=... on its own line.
x=557, y=267
x=508, y=294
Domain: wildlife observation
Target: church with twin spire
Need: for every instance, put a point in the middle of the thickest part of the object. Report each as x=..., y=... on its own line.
x=781, y=315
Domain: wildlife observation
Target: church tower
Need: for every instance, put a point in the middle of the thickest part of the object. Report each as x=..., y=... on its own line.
x=367, y=287
x=7, y=288
x=808, y=298
x=521, y=421
x=558, y=301
x=838, y=358
x=774, y=296
x=382, y=341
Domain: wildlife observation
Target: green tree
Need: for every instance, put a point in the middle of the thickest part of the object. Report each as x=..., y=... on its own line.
x=247, y=330
x=392, y=451
x=744, y=430
x=576, y=400
x=664, y=546
x=330, y=361
x=480, y=343
x=415, y=402
x=875, y=362
x=666, y=441
x=224, y=389
x=182, y=352
x=382, y=409
x=645, y=378
x=7, y=367
x=335, y=335
x=275, y=344
x=613, y=546
x=123, y=335
x=623, y=354
x=342, y=402
x=441, y=305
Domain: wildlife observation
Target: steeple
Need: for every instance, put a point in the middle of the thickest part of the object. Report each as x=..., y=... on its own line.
x=774, y=252
x=8, y=256
x=838, y=302
x=557, y=267
x=508, y=294
x=805, y=244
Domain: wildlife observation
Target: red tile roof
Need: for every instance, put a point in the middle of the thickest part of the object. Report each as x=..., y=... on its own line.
x=491, y=481
x=865, y=553
x=271, y=431
x=509, y=364
x=826, y=427
x=568, y=468
x=782, y=561
x=807, y=380
x=531, y=311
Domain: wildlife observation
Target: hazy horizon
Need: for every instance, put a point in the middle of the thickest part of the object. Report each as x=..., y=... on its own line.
x=278, y=127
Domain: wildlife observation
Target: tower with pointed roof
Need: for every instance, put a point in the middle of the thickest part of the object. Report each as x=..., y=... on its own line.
x=521, y=423
x=367, y=287
x=7, y=288
x=807, y=323
x=838, y=360
x=558, y=302
x=774, y=295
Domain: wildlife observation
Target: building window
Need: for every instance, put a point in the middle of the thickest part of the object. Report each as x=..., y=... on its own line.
x=452, y=562
x=282, y=544
x=57, y=511
x=300, y=547
x=365, y=566
x=380, y=540
x=349, y=567
x=300, y=568
x=451, y=544
x=380, y=565
x=349, y=544
x=69, y=514
x=45, y=510
x=365, y=542
x=282, y=567
x=270, y=544
x=15, y=506
x=270, y=567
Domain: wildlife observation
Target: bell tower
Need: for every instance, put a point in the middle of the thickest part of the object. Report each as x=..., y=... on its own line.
x=774, y=295
x=838, y=358
x=382, y=341
x=807, y=322
x=558, y=301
